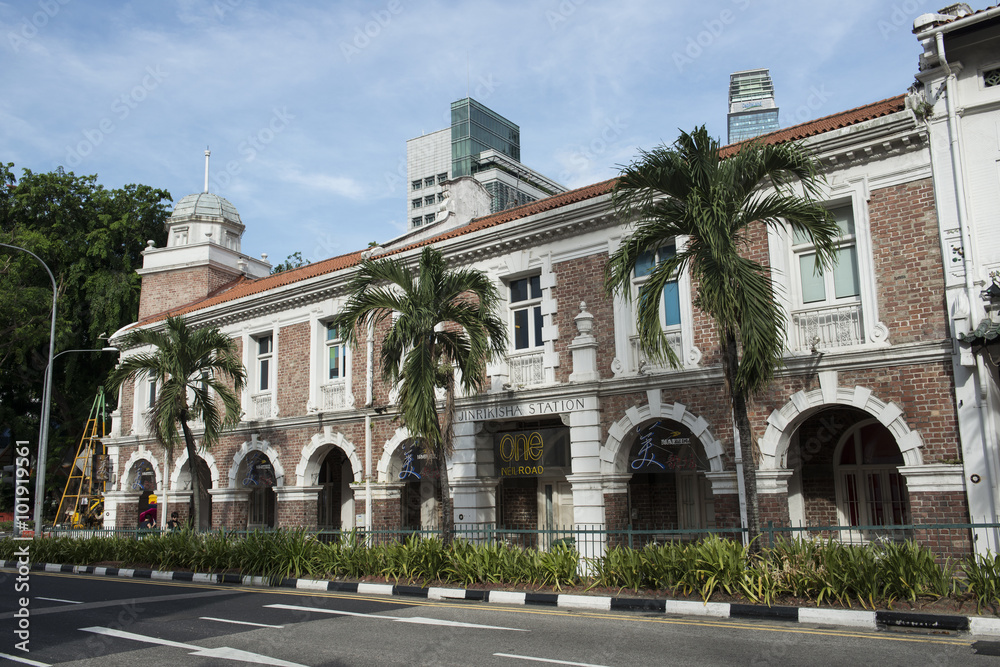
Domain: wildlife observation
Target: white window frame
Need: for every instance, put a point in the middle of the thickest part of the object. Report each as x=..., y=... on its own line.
x=859, y=472
x=146, y=389
x=784, y=263
x=532, y=305
x=629, y=359
x=807, y=249
x=262, y=401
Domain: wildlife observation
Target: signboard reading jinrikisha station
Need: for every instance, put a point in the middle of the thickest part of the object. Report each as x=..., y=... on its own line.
x=522, y=410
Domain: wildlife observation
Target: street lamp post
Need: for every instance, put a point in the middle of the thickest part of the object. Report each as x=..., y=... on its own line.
x=46, y=390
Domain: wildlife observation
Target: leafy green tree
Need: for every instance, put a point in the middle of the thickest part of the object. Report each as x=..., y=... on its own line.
x=690, y=191
x=293, y=261
x=435, y=322
x=192, y=368
x=92, y=240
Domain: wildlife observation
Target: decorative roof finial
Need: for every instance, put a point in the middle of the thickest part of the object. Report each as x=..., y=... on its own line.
x=207, y=154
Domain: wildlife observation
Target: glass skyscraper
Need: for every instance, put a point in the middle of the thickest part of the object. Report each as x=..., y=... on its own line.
x=752, y=109
x=475, y=129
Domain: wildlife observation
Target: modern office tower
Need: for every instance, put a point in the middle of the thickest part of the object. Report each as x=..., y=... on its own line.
x=480, y=143
x=752, y=109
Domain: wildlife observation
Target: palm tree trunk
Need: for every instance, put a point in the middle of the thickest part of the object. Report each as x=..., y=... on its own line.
x=731, y=364
x=445, y=448
x=193, y=469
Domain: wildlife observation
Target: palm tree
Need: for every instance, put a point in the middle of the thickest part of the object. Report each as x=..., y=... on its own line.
x=434, y=322
x=191, y=367
x=691, y=191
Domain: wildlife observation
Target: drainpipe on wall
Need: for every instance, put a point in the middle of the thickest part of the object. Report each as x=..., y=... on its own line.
x=740, y=483
x=369, y=399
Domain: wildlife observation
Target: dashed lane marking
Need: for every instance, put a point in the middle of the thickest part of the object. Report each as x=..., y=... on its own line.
x=229, y=620
x=418, y=620
x=223, y=652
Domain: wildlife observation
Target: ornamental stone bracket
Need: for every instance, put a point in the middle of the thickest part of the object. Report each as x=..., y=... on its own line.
x=934, y=478
x=293, y=493
x=229, y=495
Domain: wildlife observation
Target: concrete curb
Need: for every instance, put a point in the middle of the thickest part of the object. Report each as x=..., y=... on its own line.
x=869, y=620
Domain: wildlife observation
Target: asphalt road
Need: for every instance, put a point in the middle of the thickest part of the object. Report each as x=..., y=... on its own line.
x=86, y=620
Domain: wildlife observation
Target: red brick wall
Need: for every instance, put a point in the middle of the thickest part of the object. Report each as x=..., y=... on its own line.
x=230, y=515
x=616, y=517
x=125, y=408
x=583, y=280
x=909, y=268
x=727, y=510
x=519, y=504
x=387, y=514
x=946, y=507
x=773, y=509
x=293, y=369
x=171, y=289
x=296, y=513
x=653, y=500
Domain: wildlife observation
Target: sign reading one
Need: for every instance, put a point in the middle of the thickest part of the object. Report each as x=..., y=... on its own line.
x=526, y=453
x=663, y=446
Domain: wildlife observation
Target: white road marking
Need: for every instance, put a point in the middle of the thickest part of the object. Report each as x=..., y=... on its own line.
x=556, y=662
x=58, y=600
x=24, y=661
x=418, y=620
x=227, y=620
x=223, y=652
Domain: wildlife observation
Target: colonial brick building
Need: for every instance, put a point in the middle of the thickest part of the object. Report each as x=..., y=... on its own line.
x=881, y=414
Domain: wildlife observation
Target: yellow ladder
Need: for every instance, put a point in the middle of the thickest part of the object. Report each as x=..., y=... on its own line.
x=82, y=503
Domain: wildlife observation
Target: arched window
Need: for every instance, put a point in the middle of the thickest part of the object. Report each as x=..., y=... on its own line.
x=870, y=489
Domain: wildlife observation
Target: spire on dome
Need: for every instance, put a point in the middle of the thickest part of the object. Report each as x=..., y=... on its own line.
x=208, y=153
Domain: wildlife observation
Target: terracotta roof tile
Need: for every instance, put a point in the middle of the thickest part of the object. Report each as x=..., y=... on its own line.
x=244, y=287
x=825, y=124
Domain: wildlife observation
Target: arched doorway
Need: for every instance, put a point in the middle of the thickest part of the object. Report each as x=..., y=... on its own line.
x=256, y=473
x=846, y=472
x=142, y=480
x=668, y=490
x=335, y=508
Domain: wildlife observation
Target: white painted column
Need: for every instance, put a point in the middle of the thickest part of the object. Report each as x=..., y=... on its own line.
x=586, y=480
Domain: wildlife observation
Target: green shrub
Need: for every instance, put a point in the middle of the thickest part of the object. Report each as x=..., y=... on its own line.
x=982, y=577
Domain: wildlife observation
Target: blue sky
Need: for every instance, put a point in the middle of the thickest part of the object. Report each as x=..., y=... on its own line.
x=307, y=106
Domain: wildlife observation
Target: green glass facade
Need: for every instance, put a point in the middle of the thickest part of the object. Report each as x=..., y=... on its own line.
x=475, y=129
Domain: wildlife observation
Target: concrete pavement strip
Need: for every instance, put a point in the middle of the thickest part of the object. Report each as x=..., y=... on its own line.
x=869, y=620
